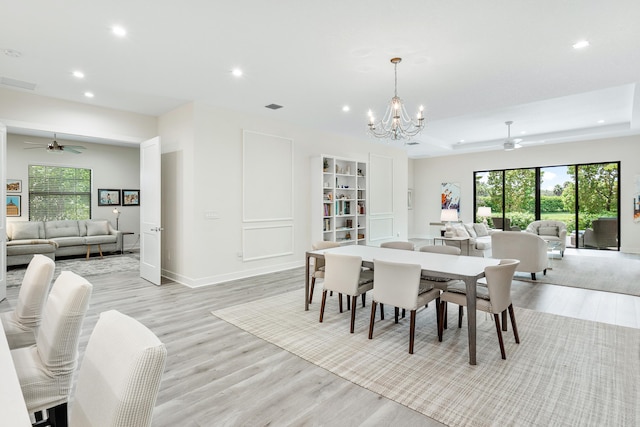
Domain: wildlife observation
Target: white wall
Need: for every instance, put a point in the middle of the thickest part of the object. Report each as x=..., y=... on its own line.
x=209, y=251
x=430, y=173
x=112, y=167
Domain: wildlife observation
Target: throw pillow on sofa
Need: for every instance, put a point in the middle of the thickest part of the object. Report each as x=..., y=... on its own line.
x=470, y=230
x=97, y=228
x=25, y=230
x=481, y=229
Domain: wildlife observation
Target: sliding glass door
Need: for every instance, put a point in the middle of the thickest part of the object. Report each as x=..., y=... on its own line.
x=585, y=197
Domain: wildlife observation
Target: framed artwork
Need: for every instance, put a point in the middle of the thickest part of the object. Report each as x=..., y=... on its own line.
x=130, y=197
x=636, y=201
x=450, y=196
x=14, y=205
x=14, y=186
x=108, y=197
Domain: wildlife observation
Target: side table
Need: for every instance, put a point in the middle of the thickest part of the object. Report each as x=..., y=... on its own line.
x=125, y=233
x=453, y=239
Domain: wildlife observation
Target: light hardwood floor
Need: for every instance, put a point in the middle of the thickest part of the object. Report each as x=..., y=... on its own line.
x=219, y=375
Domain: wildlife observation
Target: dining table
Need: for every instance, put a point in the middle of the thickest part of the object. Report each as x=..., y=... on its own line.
x=14, y=408
x=466, y=268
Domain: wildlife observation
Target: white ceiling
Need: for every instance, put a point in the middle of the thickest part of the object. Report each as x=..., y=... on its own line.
x=472, y=64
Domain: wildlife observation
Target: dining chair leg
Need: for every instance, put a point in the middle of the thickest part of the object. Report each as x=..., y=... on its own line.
x=446, y=312
x=438, y=314
x=496, y=317
x=340, y=302
x=504, y=321
x=373, y=318
x=397, y=312
x=403, y=313
x=313, y=284
x=443, y=310
x=364, y=299
x=460, y=314
x=348, y=302
x=354, y=299
x=412, y=330
x=324, y=300
x=381, y=311
x=513, y=323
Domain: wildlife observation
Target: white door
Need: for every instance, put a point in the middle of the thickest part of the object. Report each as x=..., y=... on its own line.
x=3, y=212
x=150, y=217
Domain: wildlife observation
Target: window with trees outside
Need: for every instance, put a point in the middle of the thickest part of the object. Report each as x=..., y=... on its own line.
x=59, y=193
x=577, y=195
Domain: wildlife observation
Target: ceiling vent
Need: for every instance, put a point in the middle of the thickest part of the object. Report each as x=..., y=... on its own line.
x=273, y=106
x=413, y=143
x=17, y=83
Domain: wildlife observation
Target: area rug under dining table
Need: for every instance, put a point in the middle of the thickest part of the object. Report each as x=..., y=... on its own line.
x=564, y=372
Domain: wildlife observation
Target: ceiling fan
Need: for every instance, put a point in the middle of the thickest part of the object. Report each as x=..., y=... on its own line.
x=511, y=143
x=54, y=147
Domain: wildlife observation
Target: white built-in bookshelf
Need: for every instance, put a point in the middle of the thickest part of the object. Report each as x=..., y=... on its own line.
x=339, y=200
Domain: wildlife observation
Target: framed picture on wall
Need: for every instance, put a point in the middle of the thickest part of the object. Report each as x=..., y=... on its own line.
x=130, y=197
x=14, y=186
x=108, y=197
x=14, y=205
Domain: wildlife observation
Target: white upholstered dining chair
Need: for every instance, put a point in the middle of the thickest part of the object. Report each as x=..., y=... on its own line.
x=21, y=324
x=45, y=369
x=318, y=264
x=407, y=246
x=428, y=282
x=120, y=375
x=344, y=275
x=398, y=284
x=495, y=298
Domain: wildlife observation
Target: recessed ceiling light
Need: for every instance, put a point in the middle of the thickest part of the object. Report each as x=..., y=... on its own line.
x=12, y=53
x=346, y=108
x=237, y=72
x=523, y=132
x=461, y=141
x=581, y=44
x=89, y=94
x=600, y=121
x=78, y=74
x=119, y=31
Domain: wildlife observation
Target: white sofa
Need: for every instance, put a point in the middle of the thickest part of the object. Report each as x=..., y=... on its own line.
x=529, y=248
x=479, y=238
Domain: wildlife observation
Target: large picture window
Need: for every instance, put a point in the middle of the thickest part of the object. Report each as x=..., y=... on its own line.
x=59, y=193
x=584, y=196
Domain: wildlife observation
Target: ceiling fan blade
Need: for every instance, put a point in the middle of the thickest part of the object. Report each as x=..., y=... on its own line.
x=70, y=150
x=75, y=147
x=32, y=148
x=36, y=143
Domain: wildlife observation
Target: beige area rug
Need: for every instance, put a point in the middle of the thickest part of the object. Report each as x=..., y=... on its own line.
x=620, y=274
x=565, y=371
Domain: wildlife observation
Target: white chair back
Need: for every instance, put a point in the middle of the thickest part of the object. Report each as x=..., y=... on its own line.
x=441, y=249
x=318, y=262
x=499, y=278
x=120, y=375
x=396, y=284
x=64, y=312
x=407, y=246
x=342, y=273
x=21, y=324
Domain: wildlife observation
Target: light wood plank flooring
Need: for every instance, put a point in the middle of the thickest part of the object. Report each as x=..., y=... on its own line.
x=218, y=375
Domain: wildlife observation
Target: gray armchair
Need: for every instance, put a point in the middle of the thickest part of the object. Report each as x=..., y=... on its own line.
x=602, y=234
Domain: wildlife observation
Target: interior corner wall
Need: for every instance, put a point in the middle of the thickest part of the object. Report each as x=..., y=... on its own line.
x=112, y=167
x=212, y=226
x=429, y=173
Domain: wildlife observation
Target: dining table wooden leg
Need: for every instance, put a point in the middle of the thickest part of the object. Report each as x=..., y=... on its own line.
x=471, y=317
x=306, y=285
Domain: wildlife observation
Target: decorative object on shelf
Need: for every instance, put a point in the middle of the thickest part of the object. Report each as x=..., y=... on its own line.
x=396, y=124
x=14, y=205
x=117, y=214
x=448, y=216
x=108, y=197
x=130, y=197
x=484, y=212
x=14, y=186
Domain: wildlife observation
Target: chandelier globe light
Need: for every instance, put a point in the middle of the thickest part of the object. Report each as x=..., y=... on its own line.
x=396, y=124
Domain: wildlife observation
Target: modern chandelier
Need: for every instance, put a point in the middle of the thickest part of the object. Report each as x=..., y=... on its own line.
x=396, y=123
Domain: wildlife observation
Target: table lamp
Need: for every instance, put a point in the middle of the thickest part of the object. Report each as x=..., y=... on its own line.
x=447, y=216
x=117, y=212
x=484, y=212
